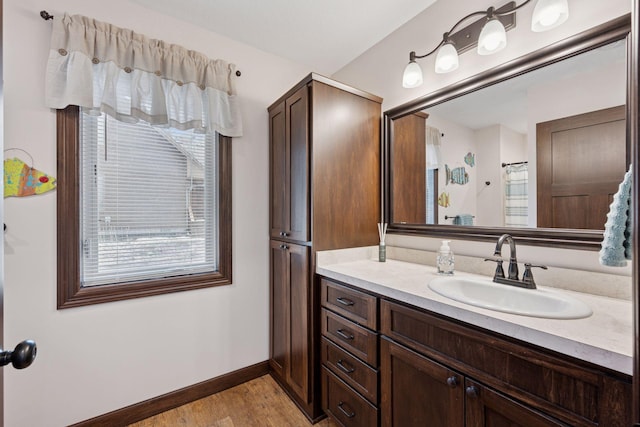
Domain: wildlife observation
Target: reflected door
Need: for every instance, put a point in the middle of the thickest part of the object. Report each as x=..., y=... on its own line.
x=581, y=161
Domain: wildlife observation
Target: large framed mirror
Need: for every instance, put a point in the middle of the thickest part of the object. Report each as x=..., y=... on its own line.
x=535, y=147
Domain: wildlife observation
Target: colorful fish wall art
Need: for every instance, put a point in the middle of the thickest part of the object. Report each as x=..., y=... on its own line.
x=470, y=159
x=22, y=180
x=443, y=200
x=456, y=175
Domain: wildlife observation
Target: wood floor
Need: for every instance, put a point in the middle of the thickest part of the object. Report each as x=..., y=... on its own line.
x=257, y=403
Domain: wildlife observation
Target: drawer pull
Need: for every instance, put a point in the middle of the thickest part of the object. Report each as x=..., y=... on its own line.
x=347, y=414
x=340, y=364
x=452, y=381
x=341, y=333
x=345, y=301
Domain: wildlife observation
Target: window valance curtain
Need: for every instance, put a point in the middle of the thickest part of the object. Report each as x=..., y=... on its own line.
x=129, y=76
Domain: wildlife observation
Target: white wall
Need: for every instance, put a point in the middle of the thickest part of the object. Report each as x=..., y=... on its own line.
x=379, y=70
x=455, y=144
x=490, y=205
x=93, y=360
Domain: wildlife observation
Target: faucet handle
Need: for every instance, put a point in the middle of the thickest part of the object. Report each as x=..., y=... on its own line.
x=527, y=276
x=499, y=270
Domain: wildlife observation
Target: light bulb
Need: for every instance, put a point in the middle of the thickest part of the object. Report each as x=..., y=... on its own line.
x=412, y=76
x=549, y=14
x=493, y=37
x=446, y=59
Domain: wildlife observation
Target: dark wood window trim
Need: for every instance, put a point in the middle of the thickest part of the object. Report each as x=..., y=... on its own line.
x=70, y=293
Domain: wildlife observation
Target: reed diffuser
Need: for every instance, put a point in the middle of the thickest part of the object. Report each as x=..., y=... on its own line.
x=382, y=248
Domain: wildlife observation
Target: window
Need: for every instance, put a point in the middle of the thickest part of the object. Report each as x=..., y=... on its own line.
x=432, y=196
x=142, y=210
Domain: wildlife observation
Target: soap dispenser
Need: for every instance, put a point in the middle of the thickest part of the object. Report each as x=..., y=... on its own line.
x=444, y=259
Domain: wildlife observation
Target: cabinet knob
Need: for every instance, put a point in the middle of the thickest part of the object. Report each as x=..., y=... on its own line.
x=283, y=246
x=283, y=234
x=452, y=381
x=472, y=391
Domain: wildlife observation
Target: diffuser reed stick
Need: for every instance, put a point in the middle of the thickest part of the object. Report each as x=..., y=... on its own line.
x=382, y=248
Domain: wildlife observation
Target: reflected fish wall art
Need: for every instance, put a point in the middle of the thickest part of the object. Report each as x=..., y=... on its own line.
x=456, y=175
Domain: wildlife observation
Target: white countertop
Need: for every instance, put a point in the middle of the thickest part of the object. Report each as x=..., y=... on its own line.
x=605, y=338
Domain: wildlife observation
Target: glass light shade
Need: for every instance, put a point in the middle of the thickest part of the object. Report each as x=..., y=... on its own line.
x=549, y=14
x=412, y=76
x=446, y=59
x=493, y=37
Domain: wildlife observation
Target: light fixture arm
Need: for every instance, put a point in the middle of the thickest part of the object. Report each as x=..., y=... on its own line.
x=489, y=13
x=509, y=12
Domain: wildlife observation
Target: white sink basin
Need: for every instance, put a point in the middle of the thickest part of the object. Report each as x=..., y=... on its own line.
x=484, y=293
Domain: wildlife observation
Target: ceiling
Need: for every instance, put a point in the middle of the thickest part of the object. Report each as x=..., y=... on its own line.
x=323, y=34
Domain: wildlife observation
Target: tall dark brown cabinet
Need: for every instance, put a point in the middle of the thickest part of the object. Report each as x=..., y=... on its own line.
x=324, y=194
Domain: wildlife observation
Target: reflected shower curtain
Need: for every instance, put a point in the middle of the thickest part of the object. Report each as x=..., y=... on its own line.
x=516, y=204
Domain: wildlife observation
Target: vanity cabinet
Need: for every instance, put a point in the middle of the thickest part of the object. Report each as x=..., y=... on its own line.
x=437, y=371
x=324, y=192
x=514, y=383
x=349, y=355
x=418, y=391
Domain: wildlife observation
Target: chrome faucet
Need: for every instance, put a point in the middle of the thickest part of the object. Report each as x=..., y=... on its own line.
x=512, y=271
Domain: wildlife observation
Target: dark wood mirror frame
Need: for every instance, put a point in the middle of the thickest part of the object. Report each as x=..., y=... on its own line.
x=633, y=113
x=617, y=29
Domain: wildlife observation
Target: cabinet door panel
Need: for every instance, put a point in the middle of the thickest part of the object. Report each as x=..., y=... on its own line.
x=279, y=308
x=416, y=391
x=298, y=306
x=277, y=155
x=297, y=165
x=487, y=408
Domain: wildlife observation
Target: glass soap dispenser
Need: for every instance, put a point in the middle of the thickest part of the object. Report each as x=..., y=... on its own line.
x=444, y=259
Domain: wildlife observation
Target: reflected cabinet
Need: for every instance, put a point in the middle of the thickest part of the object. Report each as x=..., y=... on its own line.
x=324, y=191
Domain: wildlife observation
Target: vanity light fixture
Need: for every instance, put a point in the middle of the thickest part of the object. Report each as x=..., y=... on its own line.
x=489, y=34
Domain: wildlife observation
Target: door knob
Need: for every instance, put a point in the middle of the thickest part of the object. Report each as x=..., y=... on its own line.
x=21, y=357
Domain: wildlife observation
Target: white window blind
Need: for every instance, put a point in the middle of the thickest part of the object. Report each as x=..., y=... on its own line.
x=431, y=196
x=149, y=201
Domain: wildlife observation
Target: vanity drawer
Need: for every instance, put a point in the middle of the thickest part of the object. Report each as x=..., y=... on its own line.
x=350, y=369
x=345, y=405
x=359, y=341
x=358, y=306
